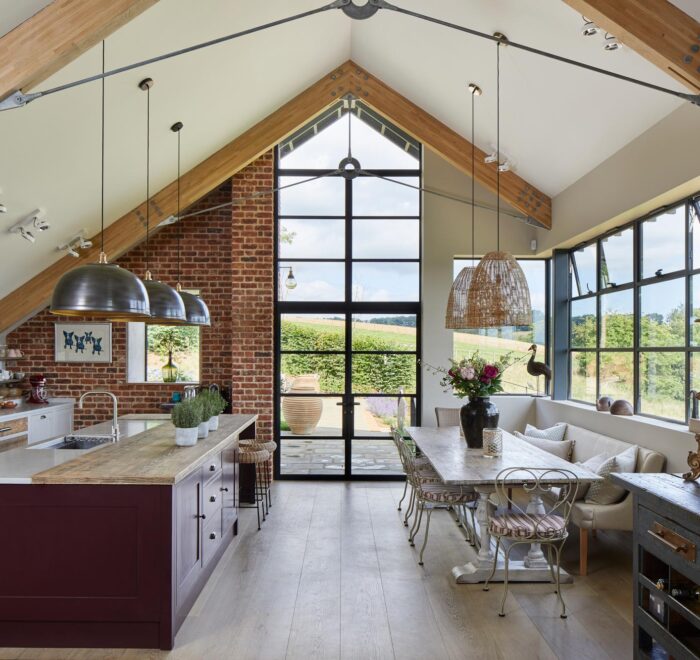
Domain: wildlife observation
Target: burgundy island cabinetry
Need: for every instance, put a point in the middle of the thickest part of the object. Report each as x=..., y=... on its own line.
x=111, y=548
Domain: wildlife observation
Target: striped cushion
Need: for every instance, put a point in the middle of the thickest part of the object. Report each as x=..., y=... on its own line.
x=526, y=526
x=445, y=494
x=426, y=474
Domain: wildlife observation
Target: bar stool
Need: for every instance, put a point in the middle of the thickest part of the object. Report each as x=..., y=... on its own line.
x=259, y=458
x=270, y=446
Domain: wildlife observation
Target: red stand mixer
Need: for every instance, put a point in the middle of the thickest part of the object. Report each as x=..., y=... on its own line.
x=38, y=393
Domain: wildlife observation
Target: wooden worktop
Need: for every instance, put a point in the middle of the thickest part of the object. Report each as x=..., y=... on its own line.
x=151, y=457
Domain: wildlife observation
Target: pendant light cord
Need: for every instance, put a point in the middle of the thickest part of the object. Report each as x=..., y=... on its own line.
x=498, y=146
x=179, y=226
x=349, y=128
x=473, y=174
x=102, y=165
x=148, y=173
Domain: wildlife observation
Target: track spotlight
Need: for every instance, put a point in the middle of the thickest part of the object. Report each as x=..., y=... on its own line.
x=3, y=208
x=491, y=158
x=505, y=166
x=27, y=235
x=611, y=42
x=31, y=225
x=589, y=28
x=84, y=243
x=74, y=243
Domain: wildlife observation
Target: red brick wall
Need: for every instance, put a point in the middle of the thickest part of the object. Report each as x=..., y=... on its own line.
x=227, y=255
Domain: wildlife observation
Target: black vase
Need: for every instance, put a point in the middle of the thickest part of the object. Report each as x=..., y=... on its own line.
x=477, y=415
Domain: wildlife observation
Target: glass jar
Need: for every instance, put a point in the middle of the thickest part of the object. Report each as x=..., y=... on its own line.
x=493, y=442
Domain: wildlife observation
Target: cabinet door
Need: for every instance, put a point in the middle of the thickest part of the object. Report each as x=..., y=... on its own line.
x=40, y=426
x=62, y=422
x=188, y=500
x=229, y=484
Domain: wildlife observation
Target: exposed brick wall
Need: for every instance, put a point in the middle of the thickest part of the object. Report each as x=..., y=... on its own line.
x=227, y=255
x=252, y=293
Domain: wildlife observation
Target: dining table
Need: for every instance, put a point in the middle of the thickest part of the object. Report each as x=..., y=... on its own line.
x=458, y=465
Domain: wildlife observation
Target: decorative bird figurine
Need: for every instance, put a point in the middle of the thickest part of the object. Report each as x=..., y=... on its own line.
x=538, y=369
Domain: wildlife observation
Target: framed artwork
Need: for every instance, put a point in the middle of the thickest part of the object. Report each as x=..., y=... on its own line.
x=83, y=342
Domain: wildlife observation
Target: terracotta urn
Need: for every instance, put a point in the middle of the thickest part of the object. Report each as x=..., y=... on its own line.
x=302, y=413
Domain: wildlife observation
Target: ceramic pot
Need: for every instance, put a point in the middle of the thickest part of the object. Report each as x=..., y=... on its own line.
x=213, y=422
x=477, y=415
x=203, y=430
x=302, y=413
x=186, y=437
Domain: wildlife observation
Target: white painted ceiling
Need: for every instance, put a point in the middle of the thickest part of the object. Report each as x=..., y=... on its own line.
x=558, y=122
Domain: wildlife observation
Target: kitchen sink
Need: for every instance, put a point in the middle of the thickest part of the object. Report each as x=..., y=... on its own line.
x=74, y=442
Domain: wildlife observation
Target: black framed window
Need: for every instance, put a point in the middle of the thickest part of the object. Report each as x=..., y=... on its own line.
x=348, y=329
x=494, y=342
x=634, y=299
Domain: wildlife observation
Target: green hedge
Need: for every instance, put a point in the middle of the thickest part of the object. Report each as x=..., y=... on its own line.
x=371, y=373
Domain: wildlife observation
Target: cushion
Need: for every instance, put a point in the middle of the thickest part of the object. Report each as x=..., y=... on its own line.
x=560, y=448
x=590, y=443
x=444, y=494
x=606, y=492
x=526, y=526
x=556, y=432
x=592, y=464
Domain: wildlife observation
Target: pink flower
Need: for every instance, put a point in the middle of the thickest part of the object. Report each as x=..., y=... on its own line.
x=467, y=373
x=490, y=371
x=485, y=380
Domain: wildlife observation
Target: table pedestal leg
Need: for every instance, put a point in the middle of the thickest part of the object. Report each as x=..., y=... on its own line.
x=535, y=557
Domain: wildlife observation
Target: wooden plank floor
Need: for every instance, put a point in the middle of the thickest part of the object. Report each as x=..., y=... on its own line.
x=331, y=575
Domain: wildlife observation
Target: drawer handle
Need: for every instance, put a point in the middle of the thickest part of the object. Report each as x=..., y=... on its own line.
x=212, y=498
x=5, y=428
x=673, y=541
x=212, y=468
x=212, y=536
x=203, y=516
x=224, y=489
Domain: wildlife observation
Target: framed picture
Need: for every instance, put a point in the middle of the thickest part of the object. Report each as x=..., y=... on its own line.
x=83, y=342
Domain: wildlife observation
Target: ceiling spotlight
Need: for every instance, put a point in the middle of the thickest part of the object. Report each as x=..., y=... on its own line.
x=589, y=28
x=491, y=158
x=71, y=251
x=3, y=208
x=29, y=226
x=84, y=243
x=611, y=42
x=504, y=166
x=26, y=235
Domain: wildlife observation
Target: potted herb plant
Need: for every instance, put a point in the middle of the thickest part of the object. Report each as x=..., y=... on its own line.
x=186, y=418
x=476, y=378
x=217, y=405
x=202, y=402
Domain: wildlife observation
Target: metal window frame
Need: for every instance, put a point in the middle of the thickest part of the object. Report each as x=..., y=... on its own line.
x=347, y=308
x=637, y=285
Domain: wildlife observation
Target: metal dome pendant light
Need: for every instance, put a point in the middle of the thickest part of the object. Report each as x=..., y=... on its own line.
x=166, y=304
x=499, y=294
x=196, y=309
x=457, y=301
x=101, y=290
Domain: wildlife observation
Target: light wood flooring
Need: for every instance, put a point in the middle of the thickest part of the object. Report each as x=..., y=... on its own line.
x=331, y=575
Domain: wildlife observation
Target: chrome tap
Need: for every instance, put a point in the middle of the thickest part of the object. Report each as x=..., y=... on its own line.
x=115, y=423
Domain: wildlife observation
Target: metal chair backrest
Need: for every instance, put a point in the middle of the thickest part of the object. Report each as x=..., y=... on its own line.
x=538, y=480
x=447, y=416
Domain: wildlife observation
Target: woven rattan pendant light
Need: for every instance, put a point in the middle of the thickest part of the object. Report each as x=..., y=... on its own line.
x=458, y=300
x=499, y=294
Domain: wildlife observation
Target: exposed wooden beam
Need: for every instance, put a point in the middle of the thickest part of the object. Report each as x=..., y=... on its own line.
x=58, y=34
x=450, y=145
x=128, y=231
x=656, y=29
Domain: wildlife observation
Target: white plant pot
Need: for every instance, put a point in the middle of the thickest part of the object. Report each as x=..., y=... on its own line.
x=213, y=422
x=186, y=437
x=203, y=430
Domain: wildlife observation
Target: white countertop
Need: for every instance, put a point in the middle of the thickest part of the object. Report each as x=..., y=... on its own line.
x=17, y=466
x=23, y=409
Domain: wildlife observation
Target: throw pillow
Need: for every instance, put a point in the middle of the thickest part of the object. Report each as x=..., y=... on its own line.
x=560, y=448
x=605, y=491
x=556, y=432
x=592, y=464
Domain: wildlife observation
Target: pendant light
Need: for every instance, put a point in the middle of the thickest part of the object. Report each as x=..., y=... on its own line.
x=499, y=294
x=196, y=309
x=101, y=290
x=457, y=301
x=166, y=304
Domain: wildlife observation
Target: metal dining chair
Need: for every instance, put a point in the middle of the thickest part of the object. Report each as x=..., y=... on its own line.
x=447, y=416
x=519, y=526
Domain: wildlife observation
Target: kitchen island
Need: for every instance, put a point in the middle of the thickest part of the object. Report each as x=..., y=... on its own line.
x=110, y=547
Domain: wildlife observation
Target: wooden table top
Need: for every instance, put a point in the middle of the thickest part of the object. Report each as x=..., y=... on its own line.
x=456, y=464
x=151, y=457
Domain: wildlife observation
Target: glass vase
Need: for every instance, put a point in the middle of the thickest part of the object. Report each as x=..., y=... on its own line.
x=169, y=370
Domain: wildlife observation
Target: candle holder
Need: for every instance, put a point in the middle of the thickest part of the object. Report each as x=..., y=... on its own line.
x=493, y=443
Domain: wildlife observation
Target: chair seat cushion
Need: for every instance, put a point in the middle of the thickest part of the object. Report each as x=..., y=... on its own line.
x=426, y=473
x=527, y=526
x=444, y=494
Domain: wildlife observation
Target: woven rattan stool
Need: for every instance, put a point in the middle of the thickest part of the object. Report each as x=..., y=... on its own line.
x=259, y=458
x=266, y=469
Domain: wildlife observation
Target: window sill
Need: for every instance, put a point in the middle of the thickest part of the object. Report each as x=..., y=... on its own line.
x=150, y=382
x=639, y=419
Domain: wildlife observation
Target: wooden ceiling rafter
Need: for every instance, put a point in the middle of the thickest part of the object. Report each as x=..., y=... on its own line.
x=655, y=29
x=126, y=232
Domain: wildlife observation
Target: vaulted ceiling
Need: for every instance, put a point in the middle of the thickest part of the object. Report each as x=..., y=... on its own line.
x=558, y=123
